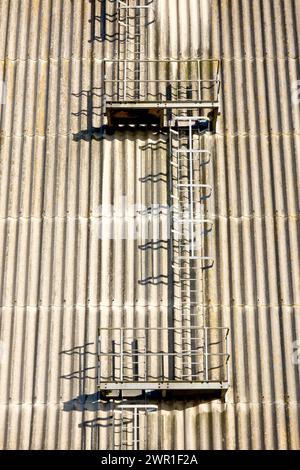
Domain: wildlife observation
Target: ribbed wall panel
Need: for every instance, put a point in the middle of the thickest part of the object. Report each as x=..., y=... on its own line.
x=59, y=282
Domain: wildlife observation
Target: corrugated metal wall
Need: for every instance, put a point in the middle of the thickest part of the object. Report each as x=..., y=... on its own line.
x=58, y=279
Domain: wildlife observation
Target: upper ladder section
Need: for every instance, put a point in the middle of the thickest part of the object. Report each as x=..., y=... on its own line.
x=134, y=19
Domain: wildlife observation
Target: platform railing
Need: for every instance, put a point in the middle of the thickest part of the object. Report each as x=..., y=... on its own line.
x=144, y=355
x=161, y=81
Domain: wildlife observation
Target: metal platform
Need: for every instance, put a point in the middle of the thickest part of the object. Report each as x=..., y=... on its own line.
x=183, y=358
x=172, y=385
x=159, y=90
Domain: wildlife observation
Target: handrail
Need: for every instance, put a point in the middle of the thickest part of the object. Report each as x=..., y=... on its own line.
x=127, y=343
x=131, y=80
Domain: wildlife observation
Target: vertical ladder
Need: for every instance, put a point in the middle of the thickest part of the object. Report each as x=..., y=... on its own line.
x=191, y=227
x=130, y=426
x=133, y=18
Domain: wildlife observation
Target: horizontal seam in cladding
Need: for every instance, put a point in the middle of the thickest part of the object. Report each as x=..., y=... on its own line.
x=41, y=218
x=70, y=134
x=87, y=305
x=263, y=134
x=263, y=403
x=256, y=217
x=257, y=305
x=79, y=218
x=258, y=58
x=180, y=56
x=48, y=59
x=47, y=134
x=137, y=305
x=32, y=404
x=225, y=134
x=195, y=402
x=221, y=58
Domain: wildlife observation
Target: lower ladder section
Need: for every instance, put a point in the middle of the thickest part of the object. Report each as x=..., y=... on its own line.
x=128, y=423
x=130, y=426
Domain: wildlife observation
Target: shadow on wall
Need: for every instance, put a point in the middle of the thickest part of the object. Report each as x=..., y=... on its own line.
x=90, y=111
x=90, y=429
x=81, y=374
x=99, y=20
x=154, y=155
x=91, y=432
x=101, y=16
x=103, y=13
x=83, y=403
x=94, y=97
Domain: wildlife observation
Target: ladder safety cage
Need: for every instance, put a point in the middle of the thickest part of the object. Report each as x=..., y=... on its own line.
x=133, y=22
x=192, y=226
x=139, y=358
x=191, y=223
x=127, y=11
